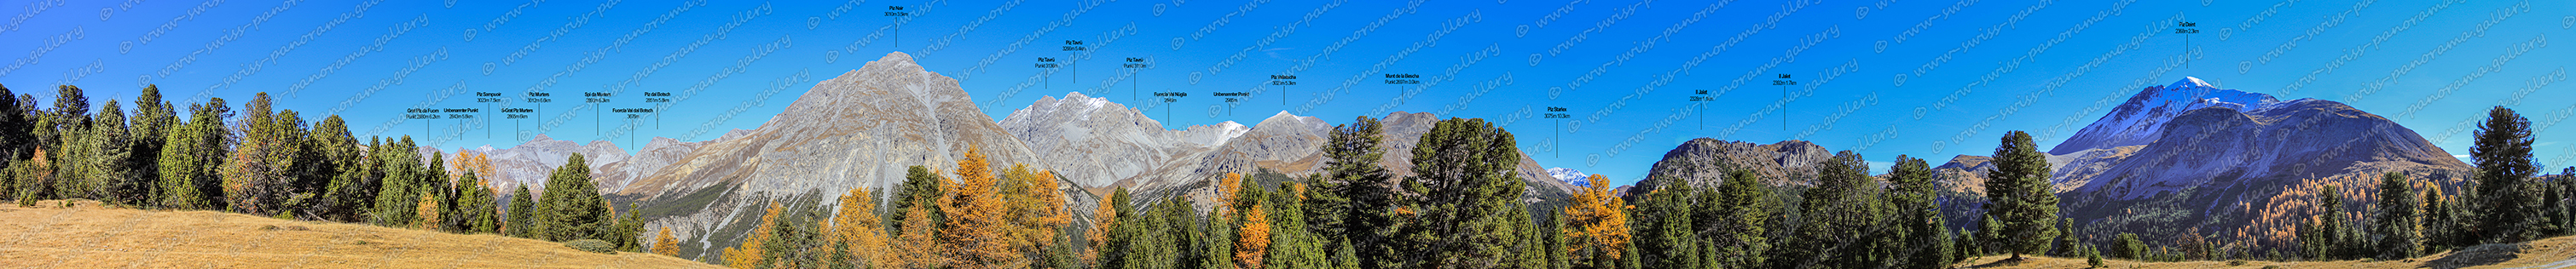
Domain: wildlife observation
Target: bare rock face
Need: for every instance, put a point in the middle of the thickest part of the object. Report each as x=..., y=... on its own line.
x=1964, y=174
x=1095, y=142
x=2188, y=158
x=1704, y=163
x=861, y=130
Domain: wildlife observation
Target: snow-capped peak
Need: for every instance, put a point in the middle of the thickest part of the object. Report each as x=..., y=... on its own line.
x=2141, y=119
x=1570, y=176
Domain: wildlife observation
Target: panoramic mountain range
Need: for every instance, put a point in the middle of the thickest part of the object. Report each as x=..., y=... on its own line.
x=2181, y=158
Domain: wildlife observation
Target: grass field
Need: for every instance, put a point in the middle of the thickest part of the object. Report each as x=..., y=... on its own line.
x=88, y=235
x=2545, y=253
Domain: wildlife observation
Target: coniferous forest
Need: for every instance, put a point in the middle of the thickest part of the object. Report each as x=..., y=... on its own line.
x=1460, y=206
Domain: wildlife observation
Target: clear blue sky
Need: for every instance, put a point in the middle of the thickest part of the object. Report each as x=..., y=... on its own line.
x=1624, y=70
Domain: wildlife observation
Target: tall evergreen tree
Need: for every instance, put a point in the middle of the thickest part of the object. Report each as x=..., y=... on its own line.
x=2441, y=221
x=1842, y=217
x=1358, y=196
x=2506, y=202
x=192, y=158
x=15, y=121
x=571, y=207
x=110, y=165
x=399, y=192
x=475, y=205
x=1667, y=236
x=521, y=222
x=2330, y=225
x=152, y=123
x=352, y=185
x=921, y=188
x=1470, y=192
x=1292, y=245
x=2020, y=198
x=1918, y=215
x=1742, y=240
x=2395, y=225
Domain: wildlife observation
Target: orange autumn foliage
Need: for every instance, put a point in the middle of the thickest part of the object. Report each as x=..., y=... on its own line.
x=747, y=255
x=978, y=232
x=1596, y=220
x=856, y=227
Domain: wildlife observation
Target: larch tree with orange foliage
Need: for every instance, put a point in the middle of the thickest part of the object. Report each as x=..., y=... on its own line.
x=978, y=234
x=1103, y=221
x=855, y=228
x=665, y=244
x=918, y=245
x=1596, y=224
x=1252, y=230
x=1037, y=212
x=747, y=255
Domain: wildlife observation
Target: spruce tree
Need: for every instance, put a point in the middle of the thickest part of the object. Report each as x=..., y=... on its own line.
x=474, y=205
x=2395, y=225
x=152, y=123
x=1470, y=192
x=2020, y=198
x=921, y=188
x=2441, y=221
x=2506, y=201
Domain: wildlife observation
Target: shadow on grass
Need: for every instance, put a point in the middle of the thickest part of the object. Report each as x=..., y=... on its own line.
x=2478, y=255
x=2001, y=263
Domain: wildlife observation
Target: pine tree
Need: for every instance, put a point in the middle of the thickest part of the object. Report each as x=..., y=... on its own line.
x=1292, y=245
x=2503, y=156
x=1469, y=193
x=16, y=143
x=921, y=188
x=2130, y=247
x=192, y=156
x=2395, y=225
x=262, y=175
x=476, y=204
x=1597, y=224
x=1667, y=238
x=352, y=182
x=2020, y=198
x=152, y=123
x=571, y=208
x=400, y=188
x=1358, y=197
x=1743, y=239
x=521, y=222
x=110, y=168
x=1919, y=216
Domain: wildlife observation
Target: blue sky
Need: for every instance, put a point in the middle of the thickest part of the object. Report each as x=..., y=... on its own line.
x=1923, y=78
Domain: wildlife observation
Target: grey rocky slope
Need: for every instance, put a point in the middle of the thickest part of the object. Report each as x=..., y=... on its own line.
x=1704, y=162
x=859, y=130
x=2192, y=158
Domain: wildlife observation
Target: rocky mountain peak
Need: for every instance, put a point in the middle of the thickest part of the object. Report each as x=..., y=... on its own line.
x=2137, y=121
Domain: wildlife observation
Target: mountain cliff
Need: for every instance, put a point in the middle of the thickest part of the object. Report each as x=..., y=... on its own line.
x=1704, y=162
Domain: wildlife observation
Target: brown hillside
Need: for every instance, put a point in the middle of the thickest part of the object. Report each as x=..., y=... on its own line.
x=90, y=236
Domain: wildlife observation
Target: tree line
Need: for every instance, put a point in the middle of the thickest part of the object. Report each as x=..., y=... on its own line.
x=271, y=162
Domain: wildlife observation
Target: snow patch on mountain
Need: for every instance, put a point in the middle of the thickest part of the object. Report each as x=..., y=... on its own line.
x=1571, y=176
